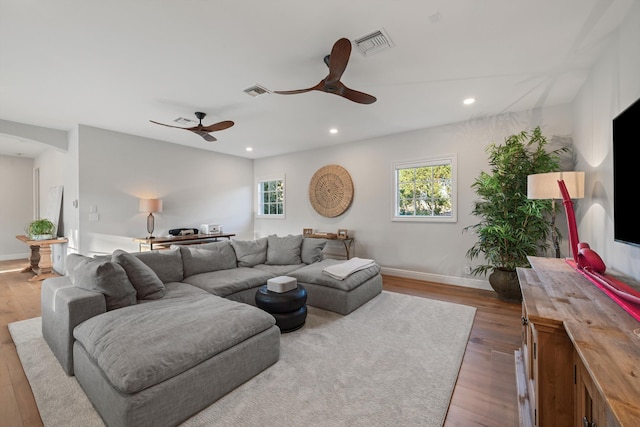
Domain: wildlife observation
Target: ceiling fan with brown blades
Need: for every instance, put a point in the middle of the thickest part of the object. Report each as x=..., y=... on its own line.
x=203, y=131
x=337, y=63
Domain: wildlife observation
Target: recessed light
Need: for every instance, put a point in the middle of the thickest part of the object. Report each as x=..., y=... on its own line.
x=249, y=149
x=333, y=130
x=469, y=101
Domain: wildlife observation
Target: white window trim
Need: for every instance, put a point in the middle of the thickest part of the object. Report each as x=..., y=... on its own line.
x=453, y=158
x=258, y=207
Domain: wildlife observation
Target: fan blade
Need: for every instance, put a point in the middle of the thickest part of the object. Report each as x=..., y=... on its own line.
x=204, y=135
x=359, y=97
x=319, y=86
x=170, y=126
x=338, y=88
x=217, y=126
x=338, y=60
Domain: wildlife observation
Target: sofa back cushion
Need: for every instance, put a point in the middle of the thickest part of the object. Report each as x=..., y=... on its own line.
x=311, y=250
x=250, y=252
x=146, y=282
x=284, y=250
x=102, y=276
x=167, y=264
x=207, y=257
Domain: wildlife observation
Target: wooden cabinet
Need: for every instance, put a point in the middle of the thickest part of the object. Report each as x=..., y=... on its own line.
x=579, y=364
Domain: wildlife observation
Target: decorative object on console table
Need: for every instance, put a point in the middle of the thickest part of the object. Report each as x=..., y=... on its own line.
x=151, y=206
x=307, y=232
x=343, y=233
x=210, y=228
x=40, y=257
x=545, y=186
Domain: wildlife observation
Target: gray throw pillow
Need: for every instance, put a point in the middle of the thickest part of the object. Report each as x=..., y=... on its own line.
x=146, y=282
x=284, y=250
x=250, y=252
x=73, y=262
x=107, y=278
x=207, y=257
x=312, y=250
x=167, y=264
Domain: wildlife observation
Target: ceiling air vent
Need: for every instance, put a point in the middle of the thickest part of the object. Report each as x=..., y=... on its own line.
x=257, y=90
x=184, y=121
x=373, y=43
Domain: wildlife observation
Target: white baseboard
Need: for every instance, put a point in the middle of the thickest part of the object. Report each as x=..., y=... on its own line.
x=429, y=277
x=11, y=257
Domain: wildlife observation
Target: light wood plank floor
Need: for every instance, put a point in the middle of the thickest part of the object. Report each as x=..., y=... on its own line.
x=485, y=394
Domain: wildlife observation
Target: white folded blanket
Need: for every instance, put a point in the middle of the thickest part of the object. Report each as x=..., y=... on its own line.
x=343, y=270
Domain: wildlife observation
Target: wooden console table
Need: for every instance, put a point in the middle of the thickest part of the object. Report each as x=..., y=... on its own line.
x=580, y=355
x=146, y=243
x=40, y=257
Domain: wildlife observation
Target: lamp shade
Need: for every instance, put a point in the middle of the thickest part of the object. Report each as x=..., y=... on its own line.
x=150, y=205
x=545, y=185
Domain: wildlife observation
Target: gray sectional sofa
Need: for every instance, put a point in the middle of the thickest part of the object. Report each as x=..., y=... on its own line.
x=154, y=337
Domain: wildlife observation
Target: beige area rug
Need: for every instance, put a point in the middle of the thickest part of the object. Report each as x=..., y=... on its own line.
x=392, y=362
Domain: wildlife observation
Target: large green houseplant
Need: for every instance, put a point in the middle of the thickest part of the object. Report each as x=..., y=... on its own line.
x=511, y=226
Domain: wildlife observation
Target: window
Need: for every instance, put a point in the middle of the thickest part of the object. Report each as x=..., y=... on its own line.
x=271, y=198
x=425, y=190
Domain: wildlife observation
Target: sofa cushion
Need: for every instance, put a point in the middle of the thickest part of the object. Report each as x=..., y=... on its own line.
x=107, y=278
x=167, y=264
x=169, y=337
x=313, y=274
x=146, y=282
x=284, y=250
x=227, y=282
x=72, y=262
x=278, y=270
x=250, y=252
x=311, y=250
x=208, y=257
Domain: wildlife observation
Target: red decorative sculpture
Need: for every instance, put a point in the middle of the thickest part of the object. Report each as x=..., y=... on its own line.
x=588, y=263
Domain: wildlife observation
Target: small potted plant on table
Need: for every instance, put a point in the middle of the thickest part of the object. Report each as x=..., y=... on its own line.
x=41, y=229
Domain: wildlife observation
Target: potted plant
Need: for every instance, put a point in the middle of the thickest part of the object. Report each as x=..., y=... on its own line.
x=41, y=229
x=511, y=226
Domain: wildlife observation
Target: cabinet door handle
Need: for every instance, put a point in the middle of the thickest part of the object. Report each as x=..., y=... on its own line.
x=525, y=321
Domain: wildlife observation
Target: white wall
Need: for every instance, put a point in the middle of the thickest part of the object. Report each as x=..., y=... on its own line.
x=16, y=206
x=613, y=85
x=196, y=187
x=424, y=250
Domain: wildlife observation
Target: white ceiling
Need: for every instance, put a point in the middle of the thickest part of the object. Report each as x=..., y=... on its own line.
x=118, y=64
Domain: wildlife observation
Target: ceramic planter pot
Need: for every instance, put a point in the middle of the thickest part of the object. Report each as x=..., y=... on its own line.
x=506, y=285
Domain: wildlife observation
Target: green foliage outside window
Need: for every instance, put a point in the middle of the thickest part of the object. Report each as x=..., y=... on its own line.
x=271, y=197
x=425, y=191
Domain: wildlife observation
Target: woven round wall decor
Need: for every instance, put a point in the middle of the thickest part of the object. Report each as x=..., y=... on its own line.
x=331, y=190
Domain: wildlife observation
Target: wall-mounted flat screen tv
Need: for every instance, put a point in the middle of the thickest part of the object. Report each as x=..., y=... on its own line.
x=626, y=141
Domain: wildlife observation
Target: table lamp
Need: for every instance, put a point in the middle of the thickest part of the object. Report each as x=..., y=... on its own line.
x=151, y=206
x=545, y=186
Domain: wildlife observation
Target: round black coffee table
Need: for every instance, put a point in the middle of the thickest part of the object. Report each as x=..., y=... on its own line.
x=288, y=308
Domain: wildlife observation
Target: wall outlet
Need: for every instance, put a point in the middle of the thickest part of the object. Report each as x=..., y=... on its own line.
x=94, y=217
x=467, y=269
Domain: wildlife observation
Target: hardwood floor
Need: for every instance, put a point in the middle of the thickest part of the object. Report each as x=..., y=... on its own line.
x=485, y=394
